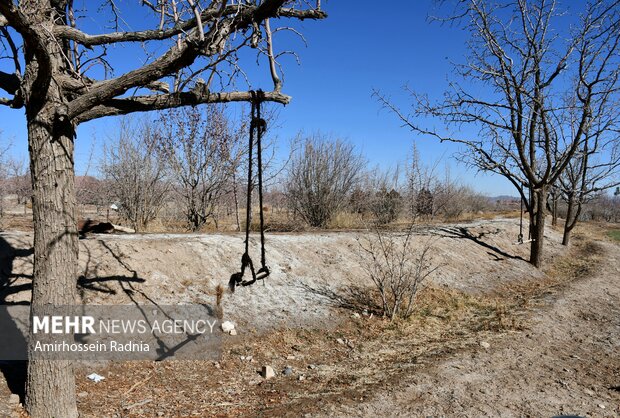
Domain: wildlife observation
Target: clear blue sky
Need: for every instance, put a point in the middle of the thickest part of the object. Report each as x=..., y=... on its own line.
x=360, y=47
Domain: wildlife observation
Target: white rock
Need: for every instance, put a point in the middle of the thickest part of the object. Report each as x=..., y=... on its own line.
x=14, y=399
x=355, y=315
x=268, y=372
x=601, y=406
x=227, y=326
x=233, y=332
x=484, y=344
x=340, y=341
x=95, y=377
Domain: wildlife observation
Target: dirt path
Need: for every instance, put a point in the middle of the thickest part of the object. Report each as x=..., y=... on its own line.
x=566, y=363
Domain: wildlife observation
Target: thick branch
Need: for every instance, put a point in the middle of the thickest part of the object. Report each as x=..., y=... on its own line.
x=114, y=107
x=85, y=39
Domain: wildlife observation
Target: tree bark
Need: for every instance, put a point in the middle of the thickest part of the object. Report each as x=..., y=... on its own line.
x=50, y=388
x=537, y=227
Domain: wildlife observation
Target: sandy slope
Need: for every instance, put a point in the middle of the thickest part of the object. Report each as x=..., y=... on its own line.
x=171, y=269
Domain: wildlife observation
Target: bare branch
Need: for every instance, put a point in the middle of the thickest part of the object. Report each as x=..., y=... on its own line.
x=194, y=97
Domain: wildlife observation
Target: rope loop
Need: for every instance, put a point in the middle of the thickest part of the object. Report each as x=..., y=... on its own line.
x=258, y=127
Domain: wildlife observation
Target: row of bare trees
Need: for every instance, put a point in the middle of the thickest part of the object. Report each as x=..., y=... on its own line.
x=327, y=176
x=197, y=159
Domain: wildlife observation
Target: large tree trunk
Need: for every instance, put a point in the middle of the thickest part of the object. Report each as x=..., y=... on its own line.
x=537, y=227
x=50, y=386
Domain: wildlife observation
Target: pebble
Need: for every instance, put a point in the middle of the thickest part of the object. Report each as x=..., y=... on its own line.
x=484, y=344
x=301, y=377
x=290, y=357
x=227, y=326
x=311, y=366
x=288, y=370
x=232, y=332
x=601, y=406
x=355, y=315
x=14, y=399
x=268, y=372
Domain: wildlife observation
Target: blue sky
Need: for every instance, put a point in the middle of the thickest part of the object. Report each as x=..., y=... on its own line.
x=360, y=47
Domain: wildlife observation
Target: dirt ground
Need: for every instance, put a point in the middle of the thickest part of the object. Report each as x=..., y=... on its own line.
x=491, y=335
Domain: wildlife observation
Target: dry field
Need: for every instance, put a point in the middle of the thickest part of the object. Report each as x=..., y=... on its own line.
x=491, y=336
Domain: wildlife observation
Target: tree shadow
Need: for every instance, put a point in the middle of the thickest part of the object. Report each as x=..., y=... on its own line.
x=163, y=350
x=354, y=298
x=14, y=371
x=13, y=283
x=461, y=232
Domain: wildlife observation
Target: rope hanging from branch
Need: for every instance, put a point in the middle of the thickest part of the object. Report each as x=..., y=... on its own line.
x=257, y=127
x=520, y=239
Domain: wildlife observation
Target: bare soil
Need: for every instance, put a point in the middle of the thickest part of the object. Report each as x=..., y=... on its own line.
x=553, y=336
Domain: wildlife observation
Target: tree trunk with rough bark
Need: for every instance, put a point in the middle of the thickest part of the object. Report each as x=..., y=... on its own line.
x=50, y=389
x=50, y=385
x=537, y=227
x=573, y=211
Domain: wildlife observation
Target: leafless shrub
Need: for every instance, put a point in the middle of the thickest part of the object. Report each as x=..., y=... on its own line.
x=136, y=173
x=396, y=269
x=321, y=177
x=384, y=199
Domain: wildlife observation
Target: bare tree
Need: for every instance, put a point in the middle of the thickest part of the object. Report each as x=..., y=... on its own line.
x=594, y=169
x=320, y=178
x=203, y=151
x=135, y=172
x=521, y=78
x=61, y=75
